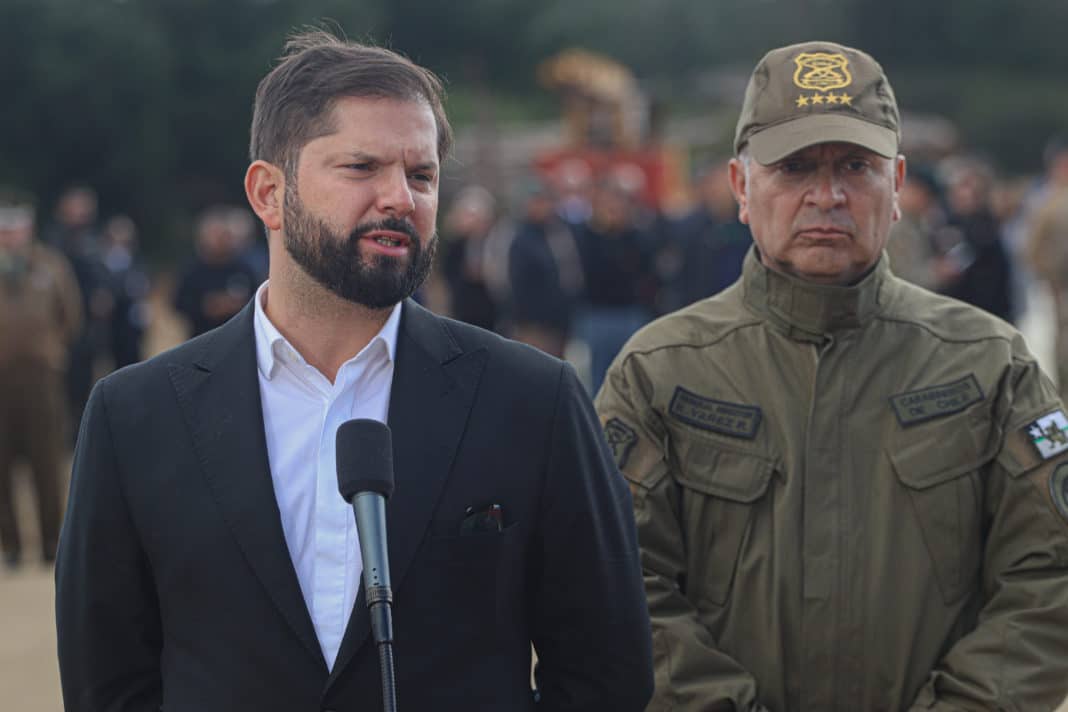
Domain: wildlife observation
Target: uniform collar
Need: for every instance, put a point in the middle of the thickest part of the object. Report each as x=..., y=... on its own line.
x=810, y=312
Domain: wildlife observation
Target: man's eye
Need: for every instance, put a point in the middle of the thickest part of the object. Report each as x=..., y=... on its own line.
x=789, y=167
x=365, y=166
x=857, y=165
x=423, y=177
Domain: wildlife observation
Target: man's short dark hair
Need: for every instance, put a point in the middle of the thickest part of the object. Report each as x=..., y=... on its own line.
x=294, y=101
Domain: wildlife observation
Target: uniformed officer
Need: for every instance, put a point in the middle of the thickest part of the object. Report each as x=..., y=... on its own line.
x=852, y=494
x=40, y=313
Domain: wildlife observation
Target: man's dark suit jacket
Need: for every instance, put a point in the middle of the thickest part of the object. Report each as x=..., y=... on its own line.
x=175, y=589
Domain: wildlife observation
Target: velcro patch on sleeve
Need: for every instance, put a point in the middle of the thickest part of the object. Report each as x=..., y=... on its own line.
x=621, y=438
x=936, y=401
x=1049, y=434
x=733, y=419
x=1058, y=488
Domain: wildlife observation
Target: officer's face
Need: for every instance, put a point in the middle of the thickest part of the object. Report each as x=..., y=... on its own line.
x=823, y=213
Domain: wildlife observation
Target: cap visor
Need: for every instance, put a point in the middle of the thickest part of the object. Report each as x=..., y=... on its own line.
x=777, y=142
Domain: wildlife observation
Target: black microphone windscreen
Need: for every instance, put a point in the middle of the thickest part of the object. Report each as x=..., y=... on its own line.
x=364, y=458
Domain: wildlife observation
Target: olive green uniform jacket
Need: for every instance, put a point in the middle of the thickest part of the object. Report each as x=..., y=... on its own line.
x=848, y=498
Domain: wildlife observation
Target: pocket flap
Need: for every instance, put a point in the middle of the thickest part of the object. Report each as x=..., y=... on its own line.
x=940, y=452
x=736, y=476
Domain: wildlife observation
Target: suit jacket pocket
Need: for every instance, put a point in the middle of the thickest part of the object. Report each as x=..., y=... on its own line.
x=462, y=578
x=468, y=550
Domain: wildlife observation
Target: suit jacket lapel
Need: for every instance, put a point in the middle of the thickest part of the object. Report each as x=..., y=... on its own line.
x=434, y=384
x=220, y=398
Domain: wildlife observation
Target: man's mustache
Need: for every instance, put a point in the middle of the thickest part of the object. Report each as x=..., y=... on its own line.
x=391, y=224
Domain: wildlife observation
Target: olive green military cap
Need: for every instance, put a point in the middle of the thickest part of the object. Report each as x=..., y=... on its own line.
x=816, y=92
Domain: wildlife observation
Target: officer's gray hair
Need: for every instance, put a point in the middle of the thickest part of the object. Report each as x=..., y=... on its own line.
x=745, y=159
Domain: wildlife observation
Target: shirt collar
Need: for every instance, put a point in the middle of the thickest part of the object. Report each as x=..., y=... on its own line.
x=810, y=311
x=273, y=349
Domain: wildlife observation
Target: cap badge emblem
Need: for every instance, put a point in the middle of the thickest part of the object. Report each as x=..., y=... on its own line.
x=822, y=71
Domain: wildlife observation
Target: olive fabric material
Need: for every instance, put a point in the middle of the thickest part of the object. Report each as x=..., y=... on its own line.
x=40, y=311
x=831, y=555
x=816, y=92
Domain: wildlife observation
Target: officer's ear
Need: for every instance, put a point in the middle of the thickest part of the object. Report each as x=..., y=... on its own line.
x=738, y=177
x=265, y=187
x=899, y=182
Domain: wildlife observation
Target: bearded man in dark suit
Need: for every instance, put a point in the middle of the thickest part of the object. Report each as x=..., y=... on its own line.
x=208, y=562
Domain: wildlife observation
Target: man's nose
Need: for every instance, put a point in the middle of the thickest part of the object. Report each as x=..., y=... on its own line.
x=826, y=191
x=394, y=193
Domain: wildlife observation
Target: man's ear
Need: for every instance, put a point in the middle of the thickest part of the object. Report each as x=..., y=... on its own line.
x=899, y=183
x=265, y=187
x=736, y=177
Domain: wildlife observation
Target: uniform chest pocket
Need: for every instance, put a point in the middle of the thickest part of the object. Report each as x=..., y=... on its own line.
x=940, y=466
x=721, y=489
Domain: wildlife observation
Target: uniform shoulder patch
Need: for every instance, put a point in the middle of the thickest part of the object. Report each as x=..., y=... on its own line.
x=926, y=404
x=621, y=438
x=1048, y=434
x=1058, y=488
x=733, y=419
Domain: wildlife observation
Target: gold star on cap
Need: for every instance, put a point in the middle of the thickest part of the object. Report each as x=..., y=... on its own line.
x=817, y=98
x=832, y=98
x=846, y=99
x=802, y=101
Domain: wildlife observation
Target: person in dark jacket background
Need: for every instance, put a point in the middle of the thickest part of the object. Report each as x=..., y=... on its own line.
x=975, y=265
x=545, y=274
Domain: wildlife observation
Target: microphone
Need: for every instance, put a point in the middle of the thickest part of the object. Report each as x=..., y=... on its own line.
x=364, y=451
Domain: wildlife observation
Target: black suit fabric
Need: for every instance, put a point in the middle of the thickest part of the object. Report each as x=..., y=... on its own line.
x=174, y=585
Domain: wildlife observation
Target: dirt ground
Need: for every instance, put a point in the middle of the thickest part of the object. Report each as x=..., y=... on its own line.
x=29, y=674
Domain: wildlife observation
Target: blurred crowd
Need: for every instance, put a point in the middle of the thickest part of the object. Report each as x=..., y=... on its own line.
x=583, y=261
x=570, y=261
x=76, y=303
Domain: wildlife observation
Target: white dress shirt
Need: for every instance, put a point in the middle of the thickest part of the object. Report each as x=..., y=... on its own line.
x=301, y=414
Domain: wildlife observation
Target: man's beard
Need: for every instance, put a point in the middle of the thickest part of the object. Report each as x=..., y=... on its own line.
x=335, y=262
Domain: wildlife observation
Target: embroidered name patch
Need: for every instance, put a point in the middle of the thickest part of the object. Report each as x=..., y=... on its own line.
x=1048, y=434
x=738, y=421
x=934, y=402
x=621, y=439
x=1058, y=489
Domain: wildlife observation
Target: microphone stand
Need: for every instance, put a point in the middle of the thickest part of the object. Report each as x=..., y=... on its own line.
x=376, y=586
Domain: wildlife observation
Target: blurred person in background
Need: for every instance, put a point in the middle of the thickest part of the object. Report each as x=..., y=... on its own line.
x=247, y=243
x=1032, y=294
x=1047, y=252
x=712, y=240
x=40, y=315
x=911, y=247
x=545, y=274
x=466, y=258
x=572, y=181
x=974, y=265
x=618, y=273
x=217, y=283
x=74, y=233
x=130, y=286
